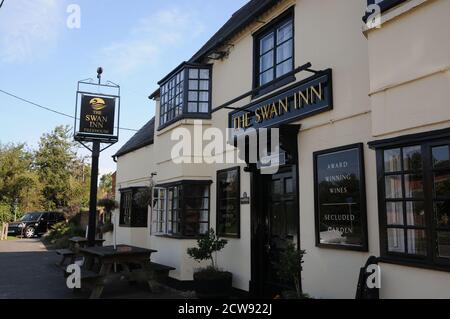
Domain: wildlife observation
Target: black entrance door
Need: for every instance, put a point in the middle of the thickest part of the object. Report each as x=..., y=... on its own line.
x=281, y=226
x=275, y=224
x=275, y=218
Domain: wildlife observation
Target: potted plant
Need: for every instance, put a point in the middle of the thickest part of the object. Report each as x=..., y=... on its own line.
x=210, y=282
x=289, y=270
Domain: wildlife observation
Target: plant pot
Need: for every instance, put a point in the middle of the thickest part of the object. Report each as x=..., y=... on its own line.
x=213, y=284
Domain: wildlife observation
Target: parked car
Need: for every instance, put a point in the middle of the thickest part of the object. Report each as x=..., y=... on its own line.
x=35, y=224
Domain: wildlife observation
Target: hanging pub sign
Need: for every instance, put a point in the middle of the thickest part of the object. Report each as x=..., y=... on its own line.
x=340, y=198
x=97, y=115
x=303, y=99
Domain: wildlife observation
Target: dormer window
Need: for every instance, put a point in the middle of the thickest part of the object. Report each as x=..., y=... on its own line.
x=185, y=93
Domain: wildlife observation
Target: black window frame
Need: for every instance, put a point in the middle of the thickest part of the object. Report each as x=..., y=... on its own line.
x=237, y=235
x=282, y=80
x=138, y=215
x=182, y=187
x=185, y=114
x=427, y=141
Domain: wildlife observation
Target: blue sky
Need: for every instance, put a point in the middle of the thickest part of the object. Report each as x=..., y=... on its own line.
x=137, y=42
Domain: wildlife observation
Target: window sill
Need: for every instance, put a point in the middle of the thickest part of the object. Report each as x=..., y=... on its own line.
x=415, y=264
x=178, y=237
x=272, y=86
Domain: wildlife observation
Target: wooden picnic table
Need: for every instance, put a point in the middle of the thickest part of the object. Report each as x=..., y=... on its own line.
x=134, y=265
x=73, y=251
x=82, y=242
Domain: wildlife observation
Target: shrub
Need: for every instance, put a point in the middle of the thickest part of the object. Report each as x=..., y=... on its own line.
x=208, y=246
x=291, y=266
x=59, y=235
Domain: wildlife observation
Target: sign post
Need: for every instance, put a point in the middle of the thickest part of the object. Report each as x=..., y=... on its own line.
x=96, y=123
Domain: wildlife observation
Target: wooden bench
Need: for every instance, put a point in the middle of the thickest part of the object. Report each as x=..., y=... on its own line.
x=66, y=254
x=161, y=271
x=151, y=272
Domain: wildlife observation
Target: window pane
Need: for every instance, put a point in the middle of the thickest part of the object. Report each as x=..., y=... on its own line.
x=266, y=43
x=392, y=160
x=412, y=158
x=192, y=107
x=203, y=108
x=197, y=191
x=204, y=85
x=193, y=73
x=284, y=68
x=204, y=74
x=396, y=240
x=394, y=186
x=284, y=51
x=441, y=157
x=413, y=186
x=204, y=96
x=442, y=212
x=193, y=84
x=415, y=213
x=204, y=216
x=417, y=242
x=289, y=185
x=266, y=61
x=266, y=77
x=442, y=184
x=284, y=32
x=443, y=239
x=203, y=228
x=193, y=96
x=197, y=203
x=394, y=212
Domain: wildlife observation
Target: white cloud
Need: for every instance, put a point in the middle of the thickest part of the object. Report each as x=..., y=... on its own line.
x=150, y=38
x=28, y=29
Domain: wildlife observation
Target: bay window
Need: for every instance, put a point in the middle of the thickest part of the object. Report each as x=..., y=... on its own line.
x=414, y=201
x=185, y=93
x=181, y=209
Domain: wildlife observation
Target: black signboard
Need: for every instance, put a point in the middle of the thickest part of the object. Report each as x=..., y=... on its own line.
x=303, y=99
x=228, y=203
x=97, y=115
x=340, y=198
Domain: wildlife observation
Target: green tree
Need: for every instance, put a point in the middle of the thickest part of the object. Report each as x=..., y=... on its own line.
x=105, y=187
x=18, y=180
x=54, y=160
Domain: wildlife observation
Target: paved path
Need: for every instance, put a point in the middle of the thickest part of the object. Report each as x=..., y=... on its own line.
x=29, y=271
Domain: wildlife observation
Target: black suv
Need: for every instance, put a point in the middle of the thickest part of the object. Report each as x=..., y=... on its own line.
x=35, y=224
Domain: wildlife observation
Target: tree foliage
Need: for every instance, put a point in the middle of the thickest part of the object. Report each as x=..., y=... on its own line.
x=52, y=177
x=106, y=186
x=18, y=180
